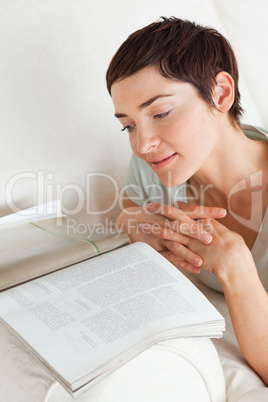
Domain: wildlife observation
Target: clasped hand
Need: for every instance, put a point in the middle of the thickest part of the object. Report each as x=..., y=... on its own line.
x=187, y=235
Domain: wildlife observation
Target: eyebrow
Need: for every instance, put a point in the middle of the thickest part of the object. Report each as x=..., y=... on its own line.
x=145, y=104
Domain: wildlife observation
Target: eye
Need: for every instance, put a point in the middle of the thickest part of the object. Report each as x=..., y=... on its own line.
x=128, y=128
x=162, y=115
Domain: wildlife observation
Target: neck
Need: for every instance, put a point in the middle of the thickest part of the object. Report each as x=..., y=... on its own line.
x=234, y=160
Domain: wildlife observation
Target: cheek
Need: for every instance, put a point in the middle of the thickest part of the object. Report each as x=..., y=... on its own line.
x=181, y=138
x=194, y=137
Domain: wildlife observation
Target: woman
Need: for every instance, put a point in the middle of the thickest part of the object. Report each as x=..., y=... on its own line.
x=174, y=85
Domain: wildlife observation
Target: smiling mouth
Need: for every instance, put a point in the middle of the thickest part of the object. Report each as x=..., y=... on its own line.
x=163, y=162
x=164, y=159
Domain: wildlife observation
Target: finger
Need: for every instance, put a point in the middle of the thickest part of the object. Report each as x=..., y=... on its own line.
x=168, y=211
x=166, y=234
x=154, y=242
x=183, y=253
x=163, y=232
x=153, y=219
x=200, y=211
x=182, y=225
x=180, y=263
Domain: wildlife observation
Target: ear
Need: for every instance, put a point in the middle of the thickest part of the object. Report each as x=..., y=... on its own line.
x=224, y=91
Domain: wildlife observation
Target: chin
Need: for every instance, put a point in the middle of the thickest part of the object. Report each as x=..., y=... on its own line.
x=175, y=181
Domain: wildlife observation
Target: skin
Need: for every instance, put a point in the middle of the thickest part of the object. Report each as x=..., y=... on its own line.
x=183, y=139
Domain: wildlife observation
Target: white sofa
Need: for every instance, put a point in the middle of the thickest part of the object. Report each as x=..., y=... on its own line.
x=59, y=139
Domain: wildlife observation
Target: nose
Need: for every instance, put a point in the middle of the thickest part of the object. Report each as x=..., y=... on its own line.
x=146, y=140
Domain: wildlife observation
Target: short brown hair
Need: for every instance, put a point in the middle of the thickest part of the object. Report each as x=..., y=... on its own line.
x=181, y=50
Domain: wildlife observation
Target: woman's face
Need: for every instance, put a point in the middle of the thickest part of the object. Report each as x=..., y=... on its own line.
x=170, y=127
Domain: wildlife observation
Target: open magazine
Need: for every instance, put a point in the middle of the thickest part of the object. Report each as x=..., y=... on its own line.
x=30, y=247
x=89, y=318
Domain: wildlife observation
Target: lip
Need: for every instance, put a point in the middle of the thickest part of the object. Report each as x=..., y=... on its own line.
x=161, y=161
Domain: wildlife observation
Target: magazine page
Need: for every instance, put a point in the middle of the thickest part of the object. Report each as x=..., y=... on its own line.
x=31, y=249
x=86, y=319
x=101, y=237
x=45, y=211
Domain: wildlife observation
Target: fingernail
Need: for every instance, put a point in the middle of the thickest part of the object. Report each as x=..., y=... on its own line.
x=196, y=270
x=221, y=212
x=207, y=238
x=197, y=261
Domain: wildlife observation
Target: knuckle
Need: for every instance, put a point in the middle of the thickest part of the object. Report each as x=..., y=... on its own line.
x=237, y=238
x=183, y=264
x=156, y=244
x=194, y=211
x=188, y=256
x=175, y=248
x=179, y=204
x=163, y=233
x=171, y=257
x=186, y=240
x=173, y=212
x=174, y=226
x=159, y=248
x=234, y=243
x=184, y=228
x=178, y=212
x=237, y=235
